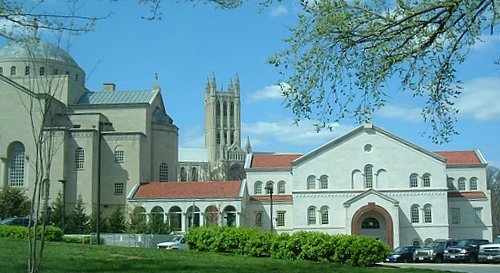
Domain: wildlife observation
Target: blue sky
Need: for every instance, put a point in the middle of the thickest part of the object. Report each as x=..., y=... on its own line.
x=192, y=42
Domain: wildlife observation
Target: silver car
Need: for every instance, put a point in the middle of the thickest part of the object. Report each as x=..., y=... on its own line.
x=174, y=242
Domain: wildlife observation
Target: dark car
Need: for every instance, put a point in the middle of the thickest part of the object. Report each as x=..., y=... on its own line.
x=402, y=254
x=465, y=251
x=15, y=221
x=433, y=251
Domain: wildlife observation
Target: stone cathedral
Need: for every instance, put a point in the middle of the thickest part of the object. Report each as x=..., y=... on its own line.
x=222, y=158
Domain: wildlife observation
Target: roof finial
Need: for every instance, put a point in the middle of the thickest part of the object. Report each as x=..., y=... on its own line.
x=156, y=86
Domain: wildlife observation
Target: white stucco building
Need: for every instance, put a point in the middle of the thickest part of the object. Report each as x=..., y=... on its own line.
x=113, y=137
x=367, y=181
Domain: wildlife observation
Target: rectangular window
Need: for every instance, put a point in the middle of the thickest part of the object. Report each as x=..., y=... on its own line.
x=477, y=215
x=119, y=188
x=79, y=158
x=280, y=218
x=455, y=216
x=258, y=219
x=119, y=156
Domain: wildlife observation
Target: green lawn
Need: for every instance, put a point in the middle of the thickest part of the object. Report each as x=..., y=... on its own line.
x=62, y=257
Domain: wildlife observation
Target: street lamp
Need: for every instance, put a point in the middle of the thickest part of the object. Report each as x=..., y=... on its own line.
x=269, y=189
x=63, y=182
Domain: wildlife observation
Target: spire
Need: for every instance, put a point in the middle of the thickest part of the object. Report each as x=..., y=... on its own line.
x=248, y=146
x=230, y=87
x=214, y=83
x=237, y=85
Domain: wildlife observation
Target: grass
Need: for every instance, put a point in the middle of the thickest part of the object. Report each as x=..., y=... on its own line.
x=63, y=257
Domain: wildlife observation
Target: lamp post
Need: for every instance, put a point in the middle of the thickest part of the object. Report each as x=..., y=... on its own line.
x=270, y=189
x=63, y=182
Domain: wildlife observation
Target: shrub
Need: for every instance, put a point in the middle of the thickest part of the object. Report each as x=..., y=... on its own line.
x=17, y=232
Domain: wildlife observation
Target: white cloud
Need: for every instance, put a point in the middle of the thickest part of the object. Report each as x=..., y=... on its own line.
x=412, y=115
x=480, y=99
x=302, y=137
x=266, y=93
x=278, y=11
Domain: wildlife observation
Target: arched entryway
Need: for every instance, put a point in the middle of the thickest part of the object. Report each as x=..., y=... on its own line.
x=373, y=221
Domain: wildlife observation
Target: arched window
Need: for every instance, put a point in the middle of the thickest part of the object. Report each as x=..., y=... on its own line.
x=368, y=176
x=324, y=215
x=473, y=184
x=257, y=188
x=428, y=241
x=323, y=182
x=27, y=71
x=370, y=223
x=415, y=217
x=42, y=71
x=13, y=71
x=311, y=182
x=194, y=174
x=311, y=216
x=282, y=187
x=416, y=242
x=157, y=216
x=174, y=217
x=428, y=213
x=426, y=180
x=269, y=187
x=224, y=109
x=16, y=164
x=193, y=217
x=413, y=180
x=79, y=158
x=183, y=174
x=229, y=213
x=461, y=184
x=119, y=154
x=163, y=172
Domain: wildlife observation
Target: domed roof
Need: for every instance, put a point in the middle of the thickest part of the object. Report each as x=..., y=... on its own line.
x=35, y=50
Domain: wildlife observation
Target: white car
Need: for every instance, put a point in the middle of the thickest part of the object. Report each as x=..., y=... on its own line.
x=490, y=252
x=173, y=242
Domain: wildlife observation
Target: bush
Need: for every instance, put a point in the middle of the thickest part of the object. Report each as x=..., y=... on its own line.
x=17, y=232
x=314, y=246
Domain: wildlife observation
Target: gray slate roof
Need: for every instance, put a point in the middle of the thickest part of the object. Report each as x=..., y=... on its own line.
x=117, y=97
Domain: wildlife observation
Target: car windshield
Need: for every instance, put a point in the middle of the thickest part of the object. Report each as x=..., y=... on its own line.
x=465, y=243
x=496, y=241
x=435, y=245
x=173, y=238
x=402, y=249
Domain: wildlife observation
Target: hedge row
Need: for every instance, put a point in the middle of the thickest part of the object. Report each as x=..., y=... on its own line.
x=314, y=246
x=17, y=232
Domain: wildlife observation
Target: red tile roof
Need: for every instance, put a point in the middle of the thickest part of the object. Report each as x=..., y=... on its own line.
x=460, y=157
x=474, y=194
x=275, y=198
x=273, y=160
x=216, y=189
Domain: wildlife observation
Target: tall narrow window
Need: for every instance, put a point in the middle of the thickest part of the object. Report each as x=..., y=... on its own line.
x=280, y=218
x=324, y=215
x=282, y=187
x=368, y=176
x=27, y=71
x=461, y=184
x=16, y=165
x=257, y=188
x=163, y=172
x=427, y=180
x=455, y=216
x=42, y=71
x=13, y=71
x=311, y=216
x=79, y=158
x=451, y=183
x=413, y=180
x=258, y=219
x=473, y=184
x=323, y=182
x=311, y=182
x=415, y=217
x=183, y=174
x=428, y=213
x=194, y=174
x=119, y=154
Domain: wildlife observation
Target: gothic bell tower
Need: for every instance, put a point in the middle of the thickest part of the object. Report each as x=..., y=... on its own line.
x=223, y=130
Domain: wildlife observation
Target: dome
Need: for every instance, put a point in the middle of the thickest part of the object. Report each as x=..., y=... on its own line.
x=35, y=49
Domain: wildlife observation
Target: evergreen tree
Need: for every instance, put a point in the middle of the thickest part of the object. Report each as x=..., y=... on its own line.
x=103, y=227
x=117, y=221
x=137, y=221
x=57, y=215
x=78, y=221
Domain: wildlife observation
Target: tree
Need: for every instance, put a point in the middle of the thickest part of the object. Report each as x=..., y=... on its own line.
x=103, y=227
x=493, y=182
x=57, y=213
x=342, y=54
x=138, y=222
x=78, y=221
x=116, y=221
x=13, y=202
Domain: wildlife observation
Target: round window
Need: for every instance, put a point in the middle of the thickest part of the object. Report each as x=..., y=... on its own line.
x=368, y=148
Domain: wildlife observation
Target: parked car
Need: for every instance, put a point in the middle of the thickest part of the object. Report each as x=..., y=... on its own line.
x=402, y=254
x=174, y=242
x=16, y=221
x=433, y=251
x=465, y=251
x=490, y=252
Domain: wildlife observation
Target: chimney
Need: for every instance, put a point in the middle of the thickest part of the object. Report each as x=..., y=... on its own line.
x=109, y=87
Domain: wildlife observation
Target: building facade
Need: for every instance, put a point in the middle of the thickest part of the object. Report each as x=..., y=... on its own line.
x=112, y=138
x=367, y=182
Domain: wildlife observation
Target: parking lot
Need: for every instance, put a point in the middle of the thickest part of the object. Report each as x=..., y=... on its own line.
x=457, y=267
